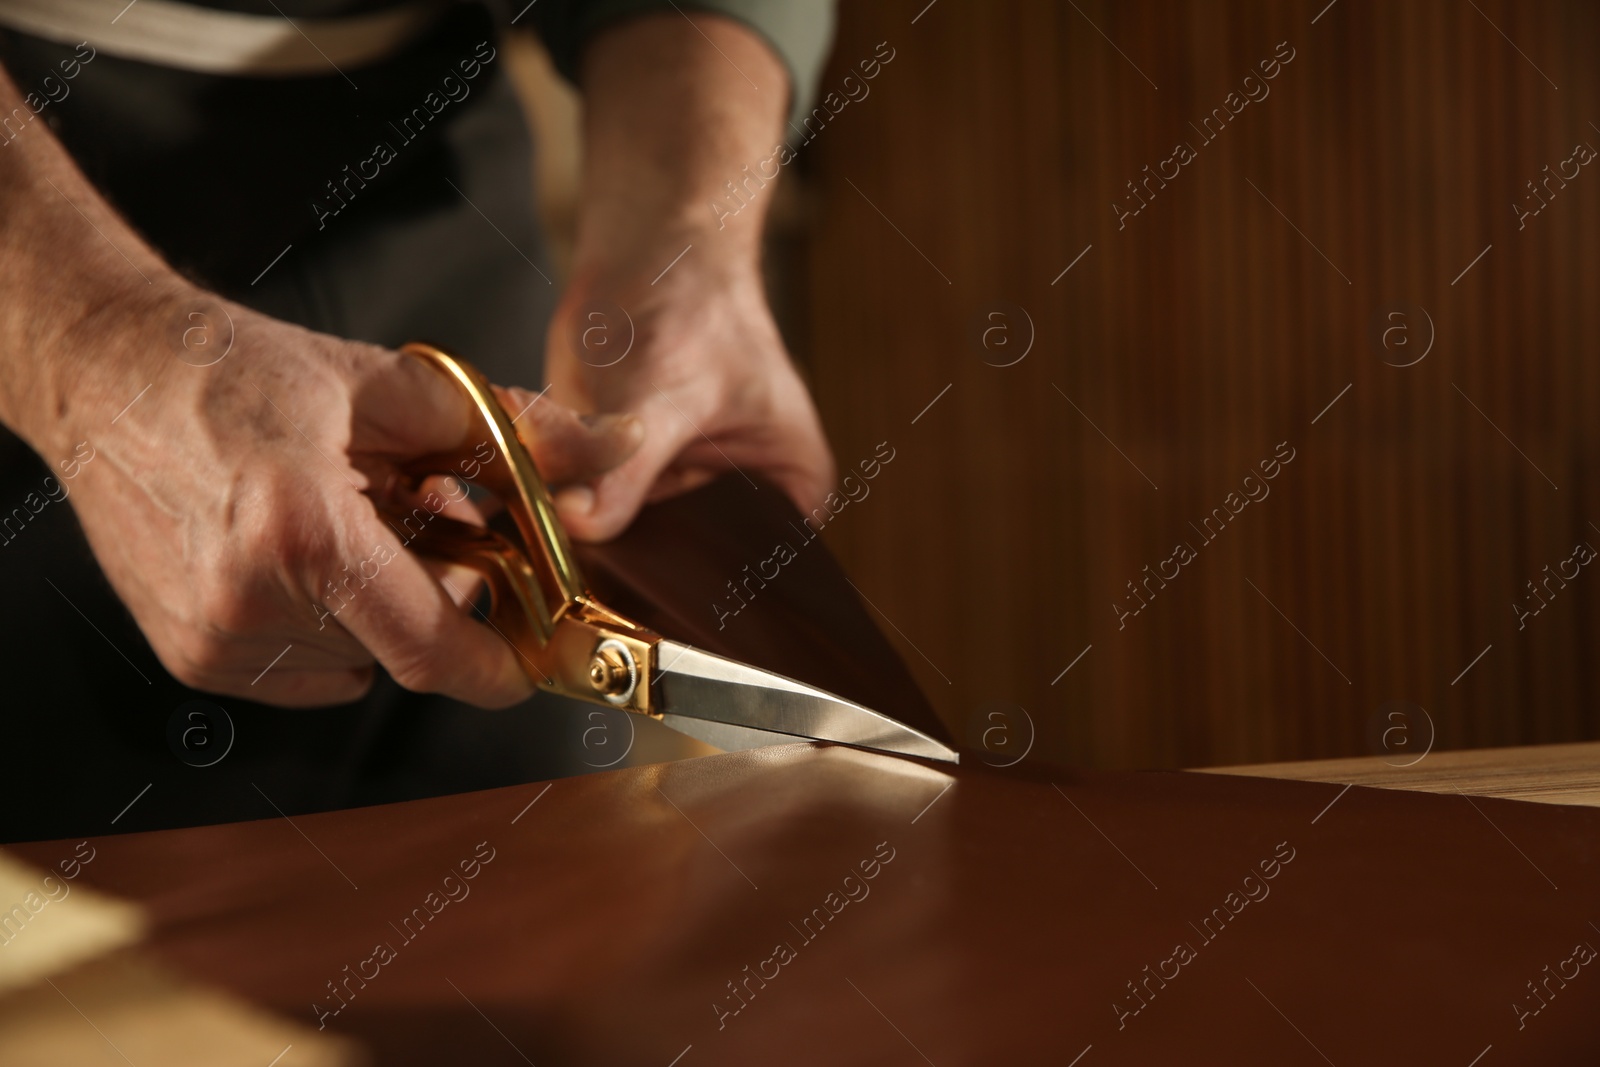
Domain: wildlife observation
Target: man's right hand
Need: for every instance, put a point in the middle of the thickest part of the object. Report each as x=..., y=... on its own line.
x=232, y=506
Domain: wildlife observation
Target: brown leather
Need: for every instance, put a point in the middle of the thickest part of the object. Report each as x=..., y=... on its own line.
x=672, y=568
x=1006, y=926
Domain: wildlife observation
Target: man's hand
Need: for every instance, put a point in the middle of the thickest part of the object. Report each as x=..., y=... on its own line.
x=707, y=377
x=232, y=505
x=674, y=110
x=232, y=509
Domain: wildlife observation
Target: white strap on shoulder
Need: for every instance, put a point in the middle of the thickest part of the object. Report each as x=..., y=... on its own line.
x=172, y=34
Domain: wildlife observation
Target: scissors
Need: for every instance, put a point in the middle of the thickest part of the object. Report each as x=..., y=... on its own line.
x=570, y=643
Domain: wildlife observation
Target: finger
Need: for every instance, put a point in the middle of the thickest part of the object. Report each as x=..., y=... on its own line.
x=568, y=447
x=680, y=478
x=463, y=584
x=404, y=407
x=411, y=624
x=437, y=495
x=801, y=464
x=787, y=448
x=292, y=688
x=794, y=456
x=600, y=512
x=314, y=670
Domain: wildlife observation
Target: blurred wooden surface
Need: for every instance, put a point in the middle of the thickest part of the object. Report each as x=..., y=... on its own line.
x=1179, y=351
x=1549, y=774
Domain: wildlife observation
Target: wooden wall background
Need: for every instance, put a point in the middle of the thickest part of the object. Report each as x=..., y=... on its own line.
x=1211, y=328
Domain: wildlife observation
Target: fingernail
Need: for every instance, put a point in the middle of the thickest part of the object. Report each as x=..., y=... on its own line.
x=577, y=500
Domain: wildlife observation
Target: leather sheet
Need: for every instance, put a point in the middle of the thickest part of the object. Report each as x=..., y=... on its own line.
x=693, y=568
x=722, y=909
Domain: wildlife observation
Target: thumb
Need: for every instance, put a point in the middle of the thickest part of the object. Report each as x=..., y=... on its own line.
x=601, y=511
x=568, y=447
x=403, y=407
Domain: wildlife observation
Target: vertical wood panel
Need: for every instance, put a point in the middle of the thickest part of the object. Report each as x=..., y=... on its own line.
x=1196, y=339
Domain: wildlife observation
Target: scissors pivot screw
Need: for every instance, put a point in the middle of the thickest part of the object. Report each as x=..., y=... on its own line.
x=613, y=671
x=578, y=647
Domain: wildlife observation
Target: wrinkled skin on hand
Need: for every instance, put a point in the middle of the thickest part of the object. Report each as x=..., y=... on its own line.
x=706, y=375
x=234, y=510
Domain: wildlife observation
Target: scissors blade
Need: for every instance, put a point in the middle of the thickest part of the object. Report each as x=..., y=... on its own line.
x=735, y=706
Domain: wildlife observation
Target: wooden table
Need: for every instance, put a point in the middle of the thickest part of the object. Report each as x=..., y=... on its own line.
x=1549, y=774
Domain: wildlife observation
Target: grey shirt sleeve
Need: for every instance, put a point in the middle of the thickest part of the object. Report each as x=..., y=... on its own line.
x=799, y=31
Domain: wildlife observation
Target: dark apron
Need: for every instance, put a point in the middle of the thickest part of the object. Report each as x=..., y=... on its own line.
x=222, y=175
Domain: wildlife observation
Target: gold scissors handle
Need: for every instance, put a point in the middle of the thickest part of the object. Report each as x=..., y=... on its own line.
x=567, y=641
